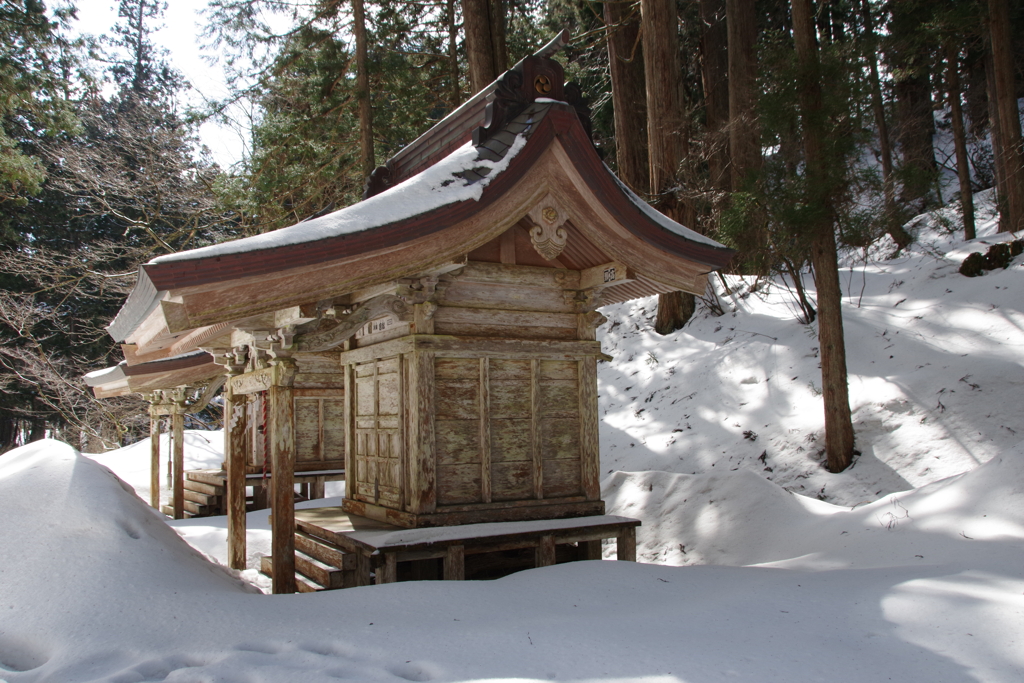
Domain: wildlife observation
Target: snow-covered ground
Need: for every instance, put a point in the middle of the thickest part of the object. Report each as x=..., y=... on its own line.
x=909, y=566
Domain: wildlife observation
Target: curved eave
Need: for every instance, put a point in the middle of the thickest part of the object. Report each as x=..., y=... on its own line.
x=625, y=208
x=168, y=373
x=561, y=122
x=231, y=286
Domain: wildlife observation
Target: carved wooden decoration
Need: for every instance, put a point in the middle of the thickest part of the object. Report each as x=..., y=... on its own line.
x=547, y=234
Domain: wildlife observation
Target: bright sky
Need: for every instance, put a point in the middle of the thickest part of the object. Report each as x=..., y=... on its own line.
x=183, y=24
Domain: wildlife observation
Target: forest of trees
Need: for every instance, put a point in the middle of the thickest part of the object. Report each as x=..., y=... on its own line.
x=787, y=129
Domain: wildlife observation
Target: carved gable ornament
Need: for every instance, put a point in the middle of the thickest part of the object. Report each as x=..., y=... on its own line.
x=547, y=234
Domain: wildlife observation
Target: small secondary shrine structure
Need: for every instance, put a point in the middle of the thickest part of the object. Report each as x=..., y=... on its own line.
x=436, y=340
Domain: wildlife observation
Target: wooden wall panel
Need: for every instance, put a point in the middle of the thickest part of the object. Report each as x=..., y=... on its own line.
x=457, y=442
x=510, y=399
x=512, y=480
x=456, y=368
x=458, y=484
x=559, y=398
x=333, y=447
x=453, y=422
x=255, y=419
x=510, y=440
x=502, y=296
x=307, y=429
x=457, y=399
x=560, y=438
x=561, y=478
x=509, y=369
x=387, y=394
x=558, y=369
x=321, y=380
x=503, y=331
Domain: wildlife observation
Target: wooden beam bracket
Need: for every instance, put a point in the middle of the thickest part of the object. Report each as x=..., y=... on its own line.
x=349, y=323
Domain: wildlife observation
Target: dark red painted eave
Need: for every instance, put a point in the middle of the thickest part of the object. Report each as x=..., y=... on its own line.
x=560, y=122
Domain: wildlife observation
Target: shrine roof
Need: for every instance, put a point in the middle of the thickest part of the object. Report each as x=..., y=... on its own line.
x=450, y=187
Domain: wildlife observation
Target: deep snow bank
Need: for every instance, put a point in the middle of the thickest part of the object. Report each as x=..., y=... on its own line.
x=739, y=518
x=203, y=450
x=95, y=587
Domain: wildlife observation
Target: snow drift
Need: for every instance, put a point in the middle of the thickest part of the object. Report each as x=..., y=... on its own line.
x=94, y=586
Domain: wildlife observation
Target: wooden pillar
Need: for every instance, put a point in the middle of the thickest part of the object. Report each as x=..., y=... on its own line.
x=545, y=553
x=234, y=453
x=535, y=451
x=420, y=442
x=589, y=550
x=178, y=456
x=387, y=572
x=485, y=430
x=455, y=563
x=350, y=431
x=626, y=544
x=154, y=459
x=282, y=481
x=590, y=453
x=362, y=570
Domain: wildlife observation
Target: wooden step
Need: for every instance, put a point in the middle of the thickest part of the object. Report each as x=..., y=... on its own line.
x=211, y=477
x=200, y=487
x=318, y=572
x=191, y=509
x=302, y=584
x=169, y=511
x=318, y=550
x=202, y=498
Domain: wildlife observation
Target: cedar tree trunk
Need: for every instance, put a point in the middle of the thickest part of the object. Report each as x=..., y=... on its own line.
x=714, y=43
x=667, y=137
x=894, y=223
x=484, y=22
x=963, y=168
x=363, y=90
x=997, y=140
x=626, y=62
x=744, y=132
x=838, y=421
x=1009, y=116
x=915, y=131
x=453, y=55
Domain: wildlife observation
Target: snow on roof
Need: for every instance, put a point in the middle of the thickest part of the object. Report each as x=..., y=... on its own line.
x=433, y=188
x=98, y=376
x=121, y=370
x=661, y=219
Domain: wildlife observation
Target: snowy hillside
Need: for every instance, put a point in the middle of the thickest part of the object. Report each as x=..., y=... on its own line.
x=936, y=361
x=906, y=567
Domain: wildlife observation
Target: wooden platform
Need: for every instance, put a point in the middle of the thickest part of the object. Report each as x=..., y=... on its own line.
x=349, y=550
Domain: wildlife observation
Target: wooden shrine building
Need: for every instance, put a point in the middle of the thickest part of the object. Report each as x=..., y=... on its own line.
x=436, y=340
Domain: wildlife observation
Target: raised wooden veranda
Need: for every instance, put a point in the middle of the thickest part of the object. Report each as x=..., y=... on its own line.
x=336, y=549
